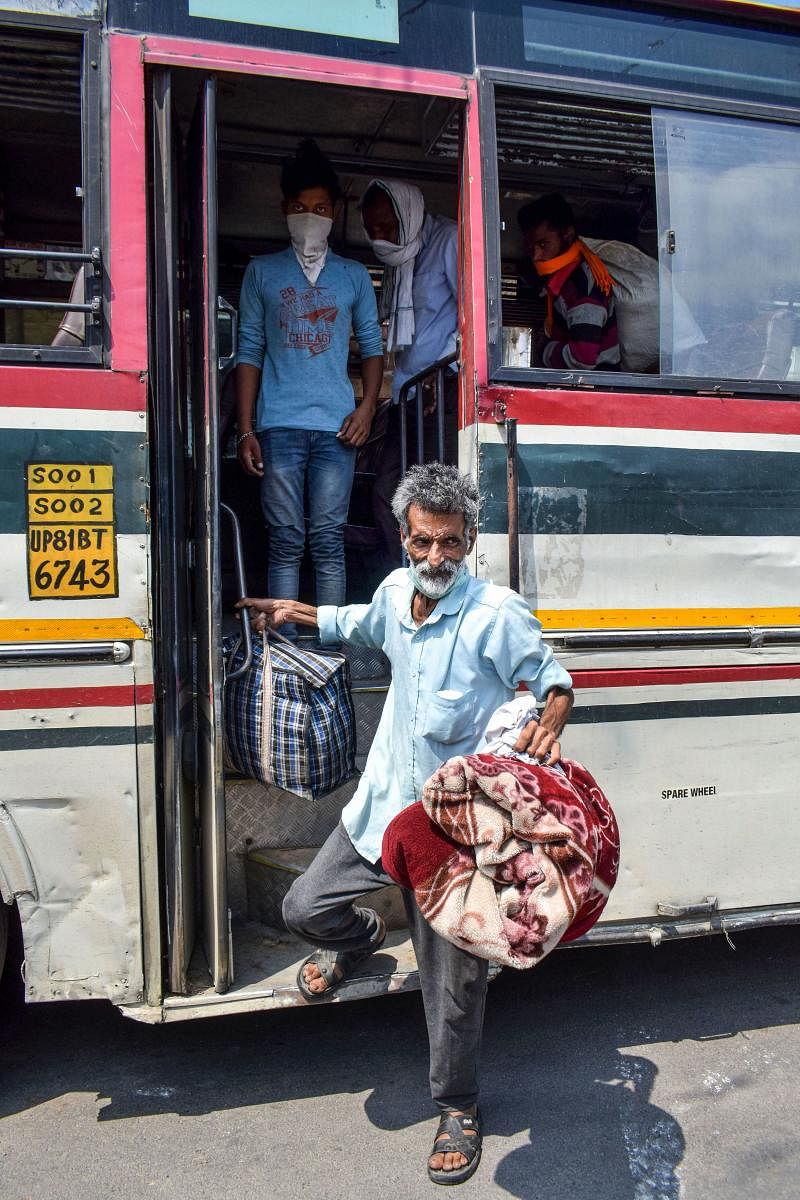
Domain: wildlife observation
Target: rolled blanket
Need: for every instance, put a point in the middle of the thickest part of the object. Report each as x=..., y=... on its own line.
x=506, y=859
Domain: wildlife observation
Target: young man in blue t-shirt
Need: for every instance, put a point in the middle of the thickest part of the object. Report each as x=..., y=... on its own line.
x=299, y=426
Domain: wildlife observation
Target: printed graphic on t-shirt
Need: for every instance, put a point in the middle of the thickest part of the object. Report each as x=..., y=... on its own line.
x=308, y=318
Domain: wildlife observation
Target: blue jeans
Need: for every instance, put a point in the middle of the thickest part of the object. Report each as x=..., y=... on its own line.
x=292, y=459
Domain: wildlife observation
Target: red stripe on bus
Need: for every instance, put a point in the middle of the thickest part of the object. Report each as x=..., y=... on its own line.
x=630, y=410
x=54, y=387
x=666, y=676
x=122, y=696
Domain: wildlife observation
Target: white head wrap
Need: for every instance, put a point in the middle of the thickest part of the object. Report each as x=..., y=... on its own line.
x=396, y=301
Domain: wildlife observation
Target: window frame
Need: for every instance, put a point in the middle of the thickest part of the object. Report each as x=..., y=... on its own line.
x=93, y=240
x=607, y=381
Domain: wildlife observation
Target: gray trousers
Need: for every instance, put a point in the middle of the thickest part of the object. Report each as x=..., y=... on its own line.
x=319, y=908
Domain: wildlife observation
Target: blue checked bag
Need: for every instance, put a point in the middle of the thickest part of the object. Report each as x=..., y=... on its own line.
x=289, y=719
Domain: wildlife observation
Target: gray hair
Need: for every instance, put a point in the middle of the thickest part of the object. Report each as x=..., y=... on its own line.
x=436, y=488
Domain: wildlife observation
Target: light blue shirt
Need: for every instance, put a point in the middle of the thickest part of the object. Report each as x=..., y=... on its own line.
x=448, y=677
x=298, y=335
x=434, y=296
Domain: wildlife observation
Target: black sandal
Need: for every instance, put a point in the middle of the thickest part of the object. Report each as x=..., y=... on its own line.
x=458, y=1142
x=336, y=965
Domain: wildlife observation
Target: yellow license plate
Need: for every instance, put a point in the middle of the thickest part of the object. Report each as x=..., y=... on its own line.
x=72, y=551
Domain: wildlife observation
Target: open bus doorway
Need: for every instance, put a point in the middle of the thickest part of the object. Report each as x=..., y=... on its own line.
x=366, y=134
x=216, y=204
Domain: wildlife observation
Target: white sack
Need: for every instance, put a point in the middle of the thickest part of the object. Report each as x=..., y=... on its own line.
x=635, y=277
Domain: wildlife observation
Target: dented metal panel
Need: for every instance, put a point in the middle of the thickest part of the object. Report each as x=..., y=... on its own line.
x=68, y=740
x=16, y=873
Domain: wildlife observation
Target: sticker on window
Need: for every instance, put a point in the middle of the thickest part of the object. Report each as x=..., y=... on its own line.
x=72, y=548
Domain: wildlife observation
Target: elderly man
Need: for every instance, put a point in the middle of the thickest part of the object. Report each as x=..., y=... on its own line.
x=459, y=647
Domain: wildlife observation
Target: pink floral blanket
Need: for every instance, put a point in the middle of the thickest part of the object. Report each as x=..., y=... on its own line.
x=506, y=859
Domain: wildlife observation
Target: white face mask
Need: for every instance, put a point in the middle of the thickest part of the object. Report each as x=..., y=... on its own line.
x=309, y=233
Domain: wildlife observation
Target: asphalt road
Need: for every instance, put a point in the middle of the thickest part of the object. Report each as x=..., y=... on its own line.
x=609, y=1074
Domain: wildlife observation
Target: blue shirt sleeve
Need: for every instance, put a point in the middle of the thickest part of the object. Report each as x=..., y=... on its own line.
x=519, y=654
x=359, y=624
x=365, y=316
x=252, y=338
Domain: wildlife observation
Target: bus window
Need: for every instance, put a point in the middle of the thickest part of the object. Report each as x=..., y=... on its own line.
x=599, y=158
x=728, y=198
x=50, y=263
x=692, y=214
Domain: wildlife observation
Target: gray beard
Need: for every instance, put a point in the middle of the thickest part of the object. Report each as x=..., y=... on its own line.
x=437, y=580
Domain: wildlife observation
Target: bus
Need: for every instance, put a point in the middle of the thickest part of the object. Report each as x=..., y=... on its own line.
x=650, y=516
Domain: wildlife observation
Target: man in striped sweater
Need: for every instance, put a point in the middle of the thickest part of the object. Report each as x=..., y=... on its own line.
x=580, y=332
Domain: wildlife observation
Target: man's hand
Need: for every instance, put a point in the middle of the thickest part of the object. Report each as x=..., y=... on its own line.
x=356, y=427
x=539, y=738
x=271, y=614
x=541, y=744
x=250, y=457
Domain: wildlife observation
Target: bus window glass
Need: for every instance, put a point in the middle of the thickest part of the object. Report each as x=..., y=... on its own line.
x=598, y=157
x=728, y=196
x=661, y=50
x=43, y=222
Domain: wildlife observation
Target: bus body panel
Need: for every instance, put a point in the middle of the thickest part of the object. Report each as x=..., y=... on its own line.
x=71, y=731
x=629, y=528
x=69, y=738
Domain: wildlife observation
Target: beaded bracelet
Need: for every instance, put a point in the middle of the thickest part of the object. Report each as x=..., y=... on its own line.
x=243, y=437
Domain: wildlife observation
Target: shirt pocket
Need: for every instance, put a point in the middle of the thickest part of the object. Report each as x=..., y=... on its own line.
x=449, y=717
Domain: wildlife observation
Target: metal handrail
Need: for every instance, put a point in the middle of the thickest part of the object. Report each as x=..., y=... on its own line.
x=34, y=654
x=438, y=369
x=93, y=307
x=241, y=581
x=750, y=638
x=83, y=256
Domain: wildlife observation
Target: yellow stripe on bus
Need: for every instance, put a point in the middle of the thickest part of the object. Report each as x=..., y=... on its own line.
x=112, y=629
x=665, y=618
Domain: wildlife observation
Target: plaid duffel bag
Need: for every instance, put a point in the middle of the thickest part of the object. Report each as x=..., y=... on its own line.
x=289, y=718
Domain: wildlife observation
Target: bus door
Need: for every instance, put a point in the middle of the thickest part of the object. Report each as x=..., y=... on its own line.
x=202, y=177
x=187, y=517
x=170, y=591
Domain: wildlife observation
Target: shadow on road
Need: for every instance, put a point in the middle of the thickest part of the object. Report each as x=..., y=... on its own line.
x=564, y=1062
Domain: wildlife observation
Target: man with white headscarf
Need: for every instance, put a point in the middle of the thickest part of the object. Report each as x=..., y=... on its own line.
x=419, y=299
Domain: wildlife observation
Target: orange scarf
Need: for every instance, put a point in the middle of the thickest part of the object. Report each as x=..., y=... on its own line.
x=551, y=266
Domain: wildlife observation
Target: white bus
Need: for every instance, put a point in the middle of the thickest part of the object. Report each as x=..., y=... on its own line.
x=651, y=518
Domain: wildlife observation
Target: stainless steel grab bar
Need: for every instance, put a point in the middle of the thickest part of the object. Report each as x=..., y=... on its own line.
x=36, y=654
x=241, y=582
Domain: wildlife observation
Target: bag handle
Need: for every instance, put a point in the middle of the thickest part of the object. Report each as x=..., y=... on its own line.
x=266, y=712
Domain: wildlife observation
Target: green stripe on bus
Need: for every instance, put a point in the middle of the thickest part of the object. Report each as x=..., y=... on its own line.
x=665, y=710
x=68, y=739
x=126, y=452
x=644, y=490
